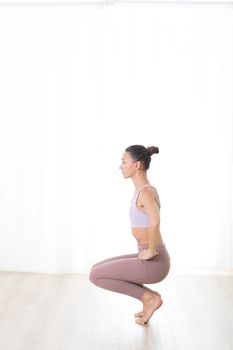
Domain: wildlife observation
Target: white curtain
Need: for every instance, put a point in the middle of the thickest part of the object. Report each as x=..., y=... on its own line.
x=78, y=84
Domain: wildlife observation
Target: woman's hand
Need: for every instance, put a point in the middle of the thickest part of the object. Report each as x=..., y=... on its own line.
x=147, y=254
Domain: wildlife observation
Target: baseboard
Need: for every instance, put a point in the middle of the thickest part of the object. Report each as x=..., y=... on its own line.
x=204, y=272
x=174, y=272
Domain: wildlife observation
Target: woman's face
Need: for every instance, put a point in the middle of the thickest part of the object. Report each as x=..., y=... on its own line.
x=128, y=165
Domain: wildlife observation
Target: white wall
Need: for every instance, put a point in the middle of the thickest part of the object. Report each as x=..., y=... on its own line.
x=79, y=84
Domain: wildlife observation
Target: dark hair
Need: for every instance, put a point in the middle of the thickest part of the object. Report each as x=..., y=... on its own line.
x=142, y=154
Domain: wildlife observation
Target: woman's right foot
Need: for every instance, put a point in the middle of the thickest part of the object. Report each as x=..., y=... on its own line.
x=151, y=303
x=140, y=313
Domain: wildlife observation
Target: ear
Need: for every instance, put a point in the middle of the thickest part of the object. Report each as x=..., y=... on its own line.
x=137, y=164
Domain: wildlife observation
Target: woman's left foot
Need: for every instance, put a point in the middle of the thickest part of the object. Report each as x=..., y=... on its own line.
x=151, y=303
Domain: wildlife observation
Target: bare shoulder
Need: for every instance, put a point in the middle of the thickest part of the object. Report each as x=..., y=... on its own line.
x=149, y=190
x=150, y=193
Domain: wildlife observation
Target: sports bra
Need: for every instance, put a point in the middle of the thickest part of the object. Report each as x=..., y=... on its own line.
x=137, y=217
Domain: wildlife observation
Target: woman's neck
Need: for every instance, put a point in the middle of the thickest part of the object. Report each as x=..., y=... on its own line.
x=141, y=181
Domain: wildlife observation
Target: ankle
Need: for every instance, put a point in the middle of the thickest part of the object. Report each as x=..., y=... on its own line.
x=146, y=296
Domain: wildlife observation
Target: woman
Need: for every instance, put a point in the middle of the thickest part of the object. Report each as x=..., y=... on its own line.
x=127, y=274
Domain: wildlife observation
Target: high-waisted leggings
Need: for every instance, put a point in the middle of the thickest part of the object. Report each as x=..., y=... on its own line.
x=126, y=274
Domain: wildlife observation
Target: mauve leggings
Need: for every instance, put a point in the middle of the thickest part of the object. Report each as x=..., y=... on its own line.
x=126, y=274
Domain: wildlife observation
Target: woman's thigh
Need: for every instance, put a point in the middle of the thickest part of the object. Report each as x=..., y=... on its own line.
x=130, y=269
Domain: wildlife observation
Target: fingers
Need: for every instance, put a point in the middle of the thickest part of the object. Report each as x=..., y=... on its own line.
x=144, y=255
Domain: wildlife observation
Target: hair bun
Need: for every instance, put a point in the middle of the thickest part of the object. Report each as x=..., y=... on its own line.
x=152, y=150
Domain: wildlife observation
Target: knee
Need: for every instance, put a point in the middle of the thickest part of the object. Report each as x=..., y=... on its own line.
x=93, y=276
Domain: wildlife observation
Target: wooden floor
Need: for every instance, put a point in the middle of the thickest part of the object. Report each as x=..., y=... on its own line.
x=67, y=312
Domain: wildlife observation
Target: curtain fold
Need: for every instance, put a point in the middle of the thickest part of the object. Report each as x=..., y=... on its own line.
x=80, y=84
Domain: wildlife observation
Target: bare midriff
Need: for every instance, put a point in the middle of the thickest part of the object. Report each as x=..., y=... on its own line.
x=142, y=237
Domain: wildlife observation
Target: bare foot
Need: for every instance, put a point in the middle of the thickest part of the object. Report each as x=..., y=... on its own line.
x=140, y=313
x=151, y=303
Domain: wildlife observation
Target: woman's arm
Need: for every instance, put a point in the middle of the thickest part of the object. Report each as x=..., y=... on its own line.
x=149, y=206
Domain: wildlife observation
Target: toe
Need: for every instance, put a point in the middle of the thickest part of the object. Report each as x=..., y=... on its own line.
x=140, y=321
